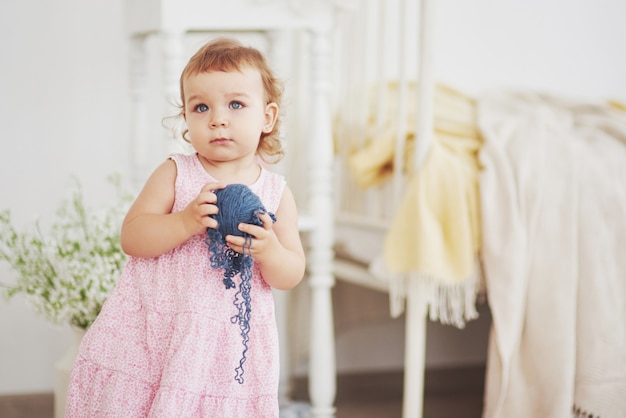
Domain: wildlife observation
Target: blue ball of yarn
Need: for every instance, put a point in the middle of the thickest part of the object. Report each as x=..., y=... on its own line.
x=237, y=204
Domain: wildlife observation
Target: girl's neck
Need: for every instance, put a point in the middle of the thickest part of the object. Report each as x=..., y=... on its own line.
x=244, y=171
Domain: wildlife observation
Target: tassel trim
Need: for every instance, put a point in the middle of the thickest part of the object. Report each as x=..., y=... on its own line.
x=448, y=303
x=578, y=412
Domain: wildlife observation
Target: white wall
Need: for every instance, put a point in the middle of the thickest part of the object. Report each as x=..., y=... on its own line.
x=63, y=110
x=562, y=46
x=64, y=107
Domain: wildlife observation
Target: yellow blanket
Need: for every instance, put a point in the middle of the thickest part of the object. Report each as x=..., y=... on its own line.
x=436, y=229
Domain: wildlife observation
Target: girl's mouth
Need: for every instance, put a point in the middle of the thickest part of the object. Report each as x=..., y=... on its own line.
x=220, y=140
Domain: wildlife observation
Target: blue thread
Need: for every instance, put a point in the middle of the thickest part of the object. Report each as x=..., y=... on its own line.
x=237, y=204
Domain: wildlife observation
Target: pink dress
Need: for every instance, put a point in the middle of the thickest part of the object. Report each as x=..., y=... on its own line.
x=164, y=344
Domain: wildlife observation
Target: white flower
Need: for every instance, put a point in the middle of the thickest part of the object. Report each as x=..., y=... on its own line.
x=68, y=273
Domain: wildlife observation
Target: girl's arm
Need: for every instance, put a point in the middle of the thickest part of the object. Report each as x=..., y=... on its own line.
x=151, y=229
x=276, y=246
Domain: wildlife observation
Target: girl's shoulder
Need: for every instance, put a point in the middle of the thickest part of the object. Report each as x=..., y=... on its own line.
x=270, y=188
x=189, y=168
x=183, y=160
x=272, y=177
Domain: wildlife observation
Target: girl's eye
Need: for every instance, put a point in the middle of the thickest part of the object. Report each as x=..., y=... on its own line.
x=236, y=105
x=202, y=108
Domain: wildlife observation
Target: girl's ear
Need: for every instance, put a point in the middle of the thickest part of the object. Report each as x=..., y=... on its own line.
x=271, y=115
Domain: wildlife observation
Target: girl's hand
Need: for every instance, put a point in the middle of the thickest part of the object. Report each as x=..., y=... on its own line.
x=197, y=214
x=151, y=228
x=264, y=240
x=275, y=246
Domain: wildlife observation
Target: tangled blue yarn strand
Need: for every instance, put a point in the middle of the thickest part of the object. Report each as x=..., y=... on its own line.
x=237, y=204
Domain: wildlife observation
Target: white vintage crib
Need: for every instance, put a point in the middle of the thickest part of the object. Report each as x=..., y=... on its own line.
x=330, y=53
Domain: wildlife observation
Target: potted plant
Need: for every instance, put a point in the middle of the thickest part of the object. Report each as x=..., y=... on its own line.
x=67, y=272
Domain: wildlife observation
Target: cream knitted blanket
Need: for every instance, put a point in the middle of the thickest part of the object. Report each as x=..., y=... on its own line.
x=553, y=199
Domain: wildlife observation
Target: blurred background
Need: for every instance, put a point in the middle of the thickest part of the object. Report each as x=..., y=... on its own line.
x=65, y=110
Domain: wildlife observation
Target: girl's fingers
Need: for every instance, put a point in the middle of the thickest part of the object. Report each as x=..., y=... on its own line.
x=267, y=221
x=211, y=187
x=206, y=197
x=237, y=243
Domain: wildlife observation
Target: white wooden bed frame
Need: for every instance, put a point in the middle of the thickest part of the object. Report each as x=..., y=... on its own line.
x=321, y=91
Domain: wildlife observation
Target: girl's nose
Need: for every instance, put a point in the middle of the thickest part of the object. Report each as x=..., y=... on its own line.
x=218, y=121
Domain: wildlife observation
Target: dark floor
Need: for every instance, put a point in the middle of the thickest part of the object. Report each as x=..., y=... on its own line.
x=450, y=393
x=40, y=405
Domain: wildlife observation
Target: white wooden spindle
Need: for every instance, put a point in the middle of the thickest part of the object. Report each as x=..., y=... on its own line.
x=415, y=351
x=381, y=95
x=322, y=363
x=416, y=303
x=279, y=57
x=426, y=85
x=281, y=60
x=402, y=101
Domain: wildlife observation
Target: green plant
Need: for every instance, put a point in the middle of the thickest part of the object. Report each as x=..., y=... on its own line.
x=68, y=272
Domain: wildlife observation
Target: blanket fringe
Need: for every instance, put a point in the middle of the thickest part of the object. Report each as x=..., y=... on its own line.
x=578, y=412
x=448, y=303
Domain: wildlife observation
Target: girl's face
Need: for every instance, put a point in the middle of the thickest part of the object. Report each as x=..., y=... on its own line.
x=226, y=114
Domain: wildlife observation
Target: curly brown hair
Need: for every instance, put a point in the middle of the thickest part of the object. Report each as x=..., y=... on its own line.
x=226, y=54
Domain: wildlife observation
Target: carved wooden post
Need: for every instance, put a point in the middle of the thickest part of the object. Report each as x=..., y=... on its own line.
x=416, y=303
x=280, y=58
x=322, y=367
x=415, y=350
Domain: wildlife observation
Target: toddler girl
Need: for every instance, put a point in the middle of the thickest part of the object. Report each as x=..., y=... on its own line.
x=165, y=343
